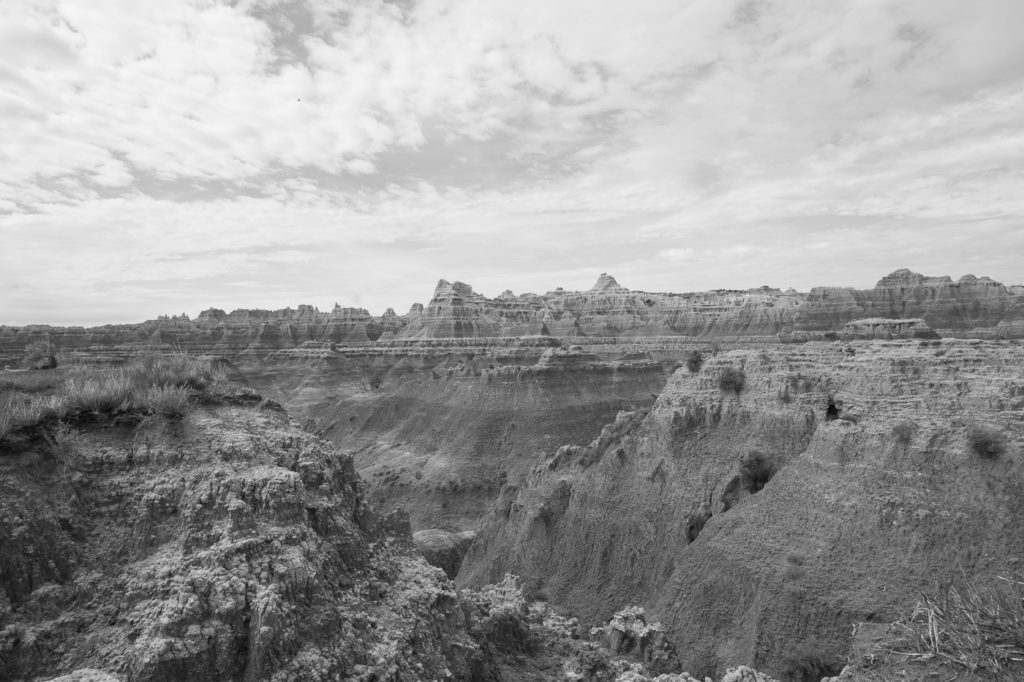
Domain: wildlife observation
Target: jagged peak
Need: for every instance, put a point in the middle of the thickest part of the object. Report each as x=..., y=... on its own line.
x=607, y=283
x=907, y=277
x=444, y=287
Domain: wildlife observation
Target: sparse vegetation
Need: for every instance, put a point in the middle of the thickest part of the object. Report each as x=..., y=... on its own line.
x=149, y=384
x=694, y=361
x=810, y=661
x=904, y=432
x=732, y=379
x=756, y=469
x=39, y=354
x=986, y=441
x=977, y=628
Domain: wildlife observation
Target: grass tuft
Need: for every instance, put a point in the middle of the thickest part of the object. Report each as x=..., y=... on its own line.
x=167, y=401
x=977, y=628
x=151, y=384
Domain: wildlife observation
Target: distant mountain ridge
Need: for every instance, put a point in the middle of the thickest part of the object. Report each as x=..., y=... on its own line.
x=969, y=306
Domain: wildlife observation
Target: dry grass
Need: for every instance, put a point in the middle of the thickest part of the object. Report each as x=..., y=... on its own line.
x=149, y=384
x=168, y=401
x=979, y=629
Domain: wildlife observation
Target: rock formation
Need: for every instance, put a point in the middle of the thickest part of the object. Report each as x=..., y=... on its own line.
x=610, y=310
x=971, y=307
x=760, y=524
x=438, y=430
x=229, y=545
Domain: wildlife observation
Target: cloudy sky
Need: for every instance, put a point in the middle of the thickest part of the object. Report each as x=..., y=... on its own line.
x=163, y=156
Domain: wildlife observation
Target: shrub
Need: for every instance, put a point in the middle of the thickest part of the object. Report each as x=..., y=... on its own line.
x=904, y=432
x=809, y=661
x=39, y=354
x=756, y=469
x=694, y=361
x=986, y=441
x=732, y=379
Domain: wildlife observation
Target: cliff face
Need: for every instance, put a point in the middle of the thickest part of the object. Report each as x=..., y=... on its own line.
x=252, y=332
x=437, y=431
x=838, y=482
x=971, y=306
x=227, y=545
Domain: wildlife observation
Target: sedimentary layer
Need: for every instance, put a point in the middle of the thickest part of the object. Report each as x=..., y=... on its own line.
x=767, y=512
x=971, y=306
x=439, y=431
x=229, y=544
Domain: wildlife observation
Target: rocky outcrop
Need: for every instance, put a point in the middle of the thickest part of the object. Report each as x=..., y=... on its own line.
x=887, y=329
x=758, y=525
x=971, y=306
x=443, y=548
x=227, y=545
x=240, y=332
x=437, y=431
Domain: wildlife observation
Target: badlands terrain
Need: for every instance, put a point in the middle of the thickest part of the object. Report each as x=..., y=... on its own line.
x=606, y=484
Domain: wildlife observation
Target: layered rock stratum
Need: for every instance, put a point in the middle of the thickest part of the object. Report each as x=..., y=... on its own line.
x=592, y=442
x=829, y=486
x=226, y=543
x=970, y=306
x=229, y=545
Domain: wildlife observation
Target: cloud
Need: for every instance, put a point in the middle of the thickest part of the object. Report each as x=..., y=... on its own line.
x=522, y=144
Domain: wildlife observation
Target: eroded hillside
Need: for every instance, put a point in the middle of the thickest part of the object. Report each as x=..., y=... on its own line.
x=438, y=433
x=766, y=511
x=224, y=544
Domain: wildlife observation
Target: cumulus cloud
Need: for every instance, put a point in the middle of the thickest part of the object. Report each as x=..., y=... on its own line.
x=171, y=151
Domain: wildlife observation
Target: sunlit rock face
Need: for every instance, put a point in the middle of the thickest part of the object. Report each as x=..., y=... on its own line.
x=833, y=486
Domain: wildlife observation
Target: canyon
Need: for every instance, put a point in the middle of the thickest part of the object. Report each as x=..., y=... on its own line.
x=763, y=471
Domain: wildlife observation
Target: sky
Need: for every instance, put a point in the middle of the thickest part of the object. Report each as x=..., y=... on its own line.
x=163, y=156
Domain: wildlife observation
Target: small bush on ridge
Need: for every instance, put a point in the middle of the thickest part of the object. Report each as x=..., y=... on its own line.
x=694, y=361
x=39, y=354
x=904, y=431
x=732, y=379
x=985, y=441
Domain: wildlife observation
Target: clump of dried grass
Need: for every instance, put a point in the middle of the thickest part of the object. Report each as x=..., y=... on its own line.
x=152, y=384
x=977, y=628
